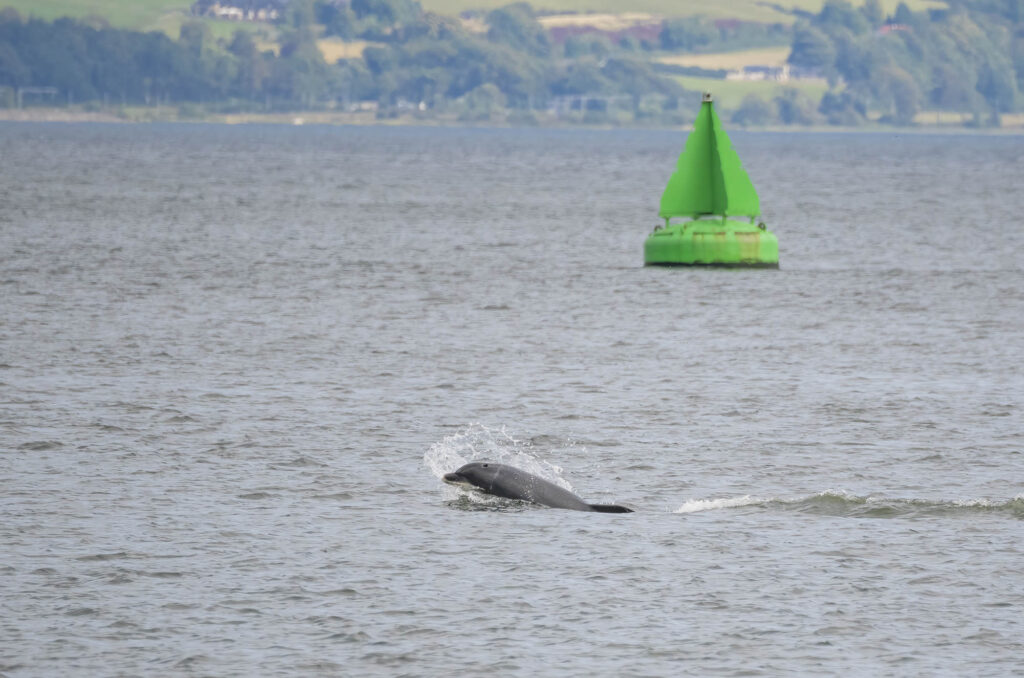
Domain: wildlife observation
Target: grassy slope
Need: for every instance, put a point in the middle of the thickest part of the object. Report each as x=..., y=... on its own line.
x=764, y=56
x=137, y=14
x=171, y=22
x=729, y=93
x=147, y=14
x=141, y=15
x=751, y=10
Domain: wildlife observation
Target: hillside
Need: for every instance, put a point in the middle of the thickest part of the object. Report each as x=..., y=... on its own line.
x=748, y=10
x=135, y=14
x=846, y=65
x=168, y=14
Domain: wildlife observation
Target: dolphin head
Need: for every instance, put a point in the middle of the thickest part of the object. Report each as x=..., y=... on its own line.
x=474, y=475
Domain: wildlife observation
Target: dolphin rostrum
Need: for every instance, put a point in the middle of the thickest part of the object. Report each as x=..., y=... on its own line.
x=512, y=483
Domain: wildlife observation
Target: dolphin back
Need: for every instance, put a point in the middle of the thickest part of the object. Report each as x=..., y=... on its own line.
x=610, y=508
x=513, y=483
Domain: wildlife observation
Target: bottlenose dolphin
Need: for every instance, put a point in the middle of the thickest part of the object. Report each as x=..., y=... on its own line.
x=512, y=483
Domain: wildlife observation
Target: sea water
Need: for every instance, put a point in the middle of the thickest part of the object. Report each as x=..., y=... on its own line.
x=235, y=361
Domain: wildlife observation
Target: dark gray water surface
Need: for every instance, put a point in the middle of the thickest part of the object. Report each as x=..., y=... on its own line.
x=234, y=362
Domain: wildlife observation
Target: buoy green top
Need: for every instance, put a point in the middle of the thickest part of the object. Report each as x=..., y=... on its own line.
x=709, y=178
x=712, y=190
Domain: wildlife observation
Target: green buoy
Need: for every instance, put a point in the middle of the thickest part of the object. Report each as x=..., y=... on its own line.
x=711, y=189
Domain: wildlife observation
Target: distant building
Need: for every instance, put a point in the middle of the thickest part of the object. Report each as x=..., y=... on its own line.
x=783, y=73
x=894, y=28
x=240, y=10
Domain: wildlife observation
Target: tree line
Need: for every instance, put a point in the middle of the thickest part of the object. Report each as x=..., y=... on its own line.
x=968, y=57
x=416, y=57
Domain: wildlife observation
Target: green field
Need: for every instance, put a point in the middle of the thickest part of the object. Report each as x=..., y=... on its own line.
x=152, y=14
x=137, y=14
x=220, y=29
x=751, y=10
x=729, y=93
x=142, y=15
x=764, y=56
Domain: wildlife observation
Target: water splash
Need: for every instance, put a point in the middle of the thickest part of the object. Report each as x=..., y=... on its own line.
x=477, y=442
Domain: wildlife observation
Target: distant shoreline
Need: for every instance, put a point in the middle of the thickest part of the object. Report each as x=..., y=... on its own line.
x=141, y=115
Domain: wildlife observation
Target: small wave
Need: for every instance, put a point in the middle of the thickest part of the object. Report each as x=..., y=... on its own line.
x=844, y=504
x=82, y=612
x=100, y=557
x=1014, y=506
x=40, y=445
x=841, y=503
x=299, y=462
x=110, y=428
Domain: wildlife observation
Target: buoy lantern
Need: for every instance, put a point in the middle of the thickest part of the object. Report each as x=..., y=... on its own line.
x=711, y=190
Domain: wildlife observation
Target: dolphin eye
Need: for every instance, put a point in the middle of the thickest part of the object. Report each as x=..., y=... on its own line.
x=486, y=465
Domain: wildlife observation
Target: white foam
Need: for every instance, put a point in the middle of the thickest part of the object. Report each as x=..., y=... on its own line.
x=987, y=503
x=697, y=505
